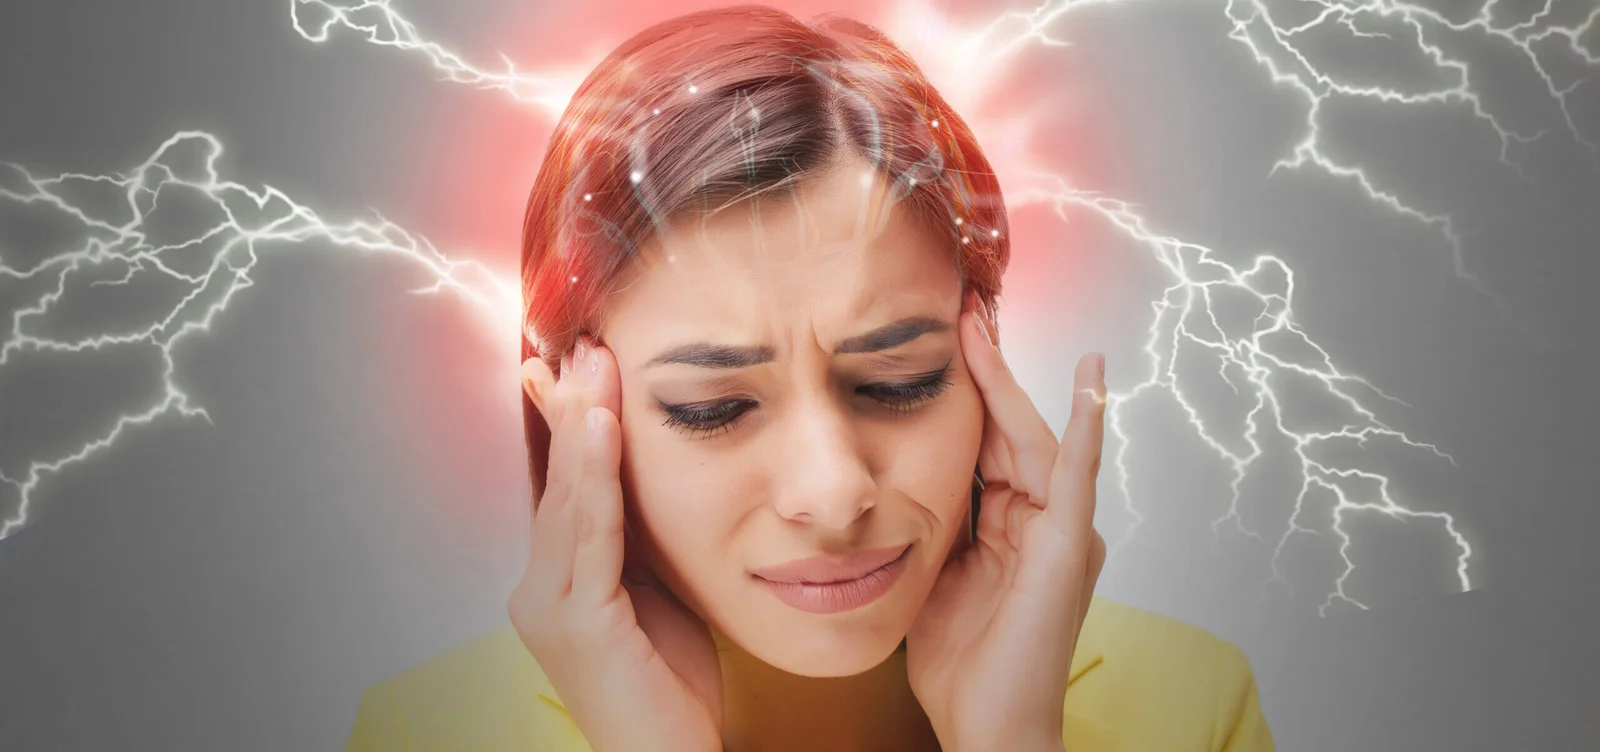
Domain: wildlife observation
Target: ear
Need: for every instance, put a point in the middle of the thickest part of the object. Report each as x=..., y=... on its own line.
x=537, y=381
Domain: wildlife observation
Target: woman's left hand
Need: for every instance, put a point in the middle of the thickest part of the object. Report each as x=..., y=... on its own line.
x=989, y=655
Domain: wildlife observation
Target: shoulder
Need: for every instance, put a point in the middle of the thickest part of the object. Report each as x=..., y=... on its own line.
x=486, y=695
x=1146, y=681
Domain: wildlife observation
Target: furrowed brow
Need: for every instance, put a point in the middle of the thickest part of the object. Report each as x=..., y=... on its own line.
x=706, y=355
x=732, y=357
x=890, y=336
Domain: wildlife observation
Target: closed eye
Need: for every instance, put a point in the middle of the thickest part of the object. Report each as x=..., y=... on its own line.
x=701, y=418
x=901, y=397
x=705, y=417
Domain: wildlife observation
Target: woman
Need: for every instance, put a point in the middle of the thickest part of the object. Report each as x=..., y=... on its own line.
x=787, y=492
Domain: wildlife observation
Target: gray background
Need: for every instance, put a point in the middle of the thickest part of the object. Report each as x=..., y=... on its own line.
x=355, y=503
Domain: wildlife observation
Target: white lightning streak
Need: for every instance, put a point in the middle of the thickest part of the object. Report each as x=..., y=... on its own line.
x=1184, y=313
x=253, y=220
x=1273, y=46
x=383, y=25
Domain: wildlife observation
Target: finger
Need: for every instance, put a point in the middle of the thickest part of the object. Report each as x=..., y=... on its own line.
x=1032, y=444
x=597, y=560
x=994, y=454
x=592, y=381
x=585, y=374
x=1091, y=578
x=1077, y=462
x=993, y=514
x=554, y=527
x=603, y=379
x=566, y=449
x=636, y=569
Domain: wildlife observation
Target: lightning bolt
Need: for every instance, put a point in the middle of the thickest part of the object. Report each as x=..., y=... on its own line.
x=1197, y=271
x=381, y=24
x=1247, y=357
x=118, y=251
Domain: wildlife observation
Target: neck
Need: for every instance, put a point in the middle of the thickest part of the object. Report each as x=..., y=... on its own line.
x=767, y=709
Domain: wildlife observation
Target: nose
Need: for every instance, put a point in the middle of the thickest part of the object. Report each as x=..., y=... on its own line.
x=825, y=480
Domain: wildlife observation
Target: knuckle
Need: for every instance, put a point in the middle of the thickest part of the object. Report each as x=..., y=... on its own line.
x=587, y=526
x=1079, y=457
x=557, y=487
x=1070, y=461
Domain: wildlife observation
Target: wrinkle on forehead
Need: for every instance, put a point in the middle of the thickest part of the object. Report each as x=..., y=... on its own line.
x=816, y=258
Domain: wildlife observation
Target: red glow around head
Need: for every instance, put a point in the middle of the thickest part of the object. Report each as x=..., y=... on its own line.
x=1028, y=111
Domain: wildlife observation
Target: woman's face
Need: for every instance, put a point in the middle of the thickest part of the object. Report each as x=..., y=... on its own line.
x=793, y=387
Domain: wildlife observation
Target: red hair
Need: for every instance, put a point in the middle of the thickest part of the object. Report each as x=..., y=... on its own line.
x=726, y=105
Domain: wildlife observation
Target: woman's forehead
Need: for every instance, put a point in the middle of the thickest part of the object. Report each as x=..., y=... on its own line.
x=785, y=263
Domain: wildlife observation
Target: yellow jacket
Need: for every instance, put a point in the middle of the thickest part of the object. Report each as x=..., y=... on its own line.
x=1140, y=683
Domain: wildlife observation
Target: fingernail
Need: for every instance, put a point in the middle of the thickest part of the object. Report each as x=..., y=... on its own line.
x=1100, y=366
x=591, y=421
x=983, y=328
x=566, y=365
x=580, y=353
x=594, y=362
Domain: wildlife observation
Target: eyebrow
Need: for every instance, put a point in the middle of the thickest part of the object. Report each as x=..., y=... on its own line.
x=886, y=337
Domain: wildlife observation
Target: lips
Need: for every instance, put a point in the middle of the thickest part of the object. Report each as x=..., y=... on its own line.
x=825, y=585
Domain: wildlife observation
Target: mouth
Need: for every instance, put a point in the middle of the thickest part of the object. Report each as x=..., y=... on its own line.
x=825, y=585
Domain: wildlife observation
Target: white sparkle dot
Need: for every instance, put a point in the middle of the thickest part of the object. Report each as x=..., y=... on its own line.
x=965, y=239
x=636, y=176
x=694, y=89
x=913, y=181
x=658, y=110
x=958, y=221
x=936, y=124
x=994, y=233
x=587, y=196
x=574, y=278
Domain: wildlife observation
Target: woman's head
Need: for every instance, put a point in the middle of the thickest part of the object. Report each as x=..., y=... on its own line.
x=772, y=225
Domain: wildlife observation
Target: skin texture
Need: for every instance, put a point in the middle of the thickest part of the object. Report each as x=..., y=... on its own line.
x=819, y=465
x=665, y=620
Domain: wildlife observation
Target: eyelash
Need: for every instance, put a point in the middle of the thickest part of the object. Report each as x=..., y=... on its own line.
x=705, y=420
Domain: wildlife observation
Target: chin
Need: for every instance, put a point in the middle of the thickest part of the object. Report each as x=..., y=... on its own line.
x=824, y=653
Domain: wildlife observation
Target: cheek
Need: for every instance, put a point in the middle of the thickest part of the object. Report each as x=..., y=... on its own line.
x=934, y=457
x=677, y=502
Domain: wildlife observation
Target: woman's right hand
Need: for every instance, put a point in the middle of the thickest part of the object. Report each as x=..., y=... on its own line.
x=634, y=667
